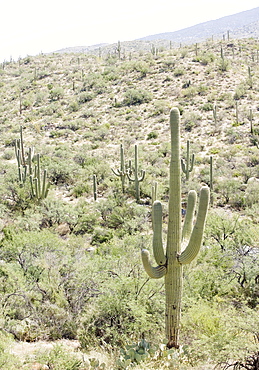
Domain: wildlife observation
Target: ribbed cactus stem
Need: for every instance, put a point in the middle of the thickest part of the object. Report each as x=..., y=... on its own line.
x=183, y=245
x=187, y=166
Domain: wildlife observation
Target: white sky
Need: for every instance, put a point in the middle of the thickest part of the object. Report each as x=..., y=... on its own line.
x=28, y=27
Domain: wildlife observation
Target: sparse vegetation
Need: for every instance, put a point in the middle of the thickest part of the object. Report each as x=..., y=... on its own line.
x=70, y=265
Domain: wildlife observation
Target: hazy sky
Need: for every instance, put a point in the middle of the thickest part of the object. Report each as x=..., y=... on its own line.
x=28, y=27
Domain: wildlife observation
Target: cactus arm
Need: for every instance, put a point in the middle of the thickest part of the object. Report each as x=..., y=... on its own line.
x=116, y=172
x=192, y=162
x=38, y=175
x=142, y=175
x=43, y=190
x=188, y=221
x=157, y=234
x=154, y=272
x=194, y=244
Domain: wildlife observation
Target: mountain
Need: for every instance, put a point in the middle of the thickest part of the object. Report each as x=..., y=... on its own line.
x=240, y=25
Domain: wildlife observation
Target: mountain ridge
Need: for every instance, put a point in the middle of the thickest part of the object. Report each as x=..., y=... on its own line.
x=233, y=23
x=240, y=25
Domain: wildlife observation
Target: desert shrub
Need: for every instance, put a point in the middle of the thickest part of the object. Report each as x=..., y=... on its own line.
x=231, y=191
x=134, y=97
x=57, y=93
x=191, y=120
x=152, y=135
x=161, y=107
x=219, y=332
x=252, y=193
x=223, y=64
x=240, y=91
x=178, y=72
x=94, y=82
x=207, y=107
x=121, y=312
x=73, y=106
x=85, y=97
x=205, y=58
x=189, y=92
x=60, y=358
x=7, y=360
x=59, y=173
x=111, y=73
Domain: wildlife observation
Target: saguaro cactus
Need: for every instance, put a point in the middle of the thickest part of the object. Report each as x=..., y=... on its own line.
x=121, y=172
x=95, y=187
x=24, y=160
x=39, y=188
x=137, y=179
x=182, y=244
x=187, y=167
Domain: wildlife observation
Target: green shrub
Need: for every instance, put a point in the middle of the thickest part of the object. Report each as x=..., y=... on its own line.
x=57, y=93
x=85, y=97
x=134, y=97
x=152, y=135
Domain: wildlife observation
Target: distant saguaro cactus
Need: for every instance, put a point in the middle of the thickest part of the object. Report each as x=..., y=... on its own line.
x=170, y=263
x=121, y=172
x=24, y=160
x=95, y=187
x=187, y=166
x=39, y=187
x=137, y=178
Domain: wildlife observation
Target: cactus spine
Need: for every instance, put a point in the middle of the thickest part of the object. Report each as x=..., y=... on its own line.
x=170, y=264
x=137, y=179
x=187, y=167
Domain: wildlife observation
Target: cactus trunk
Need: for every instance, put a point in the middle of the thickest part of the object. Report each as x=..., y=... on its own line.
x=173, y=277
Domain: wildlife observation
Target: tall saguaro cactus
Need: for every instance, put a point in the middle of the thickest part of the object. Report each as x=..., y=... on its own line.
x=183, y=244
x=137, y=178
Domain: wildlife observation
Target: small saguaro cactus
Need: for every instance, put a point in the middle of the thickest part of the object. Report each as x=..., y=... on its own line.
x=182, y=244
x=250, y=117
x=137, y=179
x=121, y=172
x=24, y=160
x=187, y=166
x=95, y=187
x=39, y=188
x=214, y=110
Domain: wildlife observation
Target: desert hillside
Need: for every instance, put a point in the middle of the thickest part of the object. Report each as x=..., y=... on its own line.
x=71, y=233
